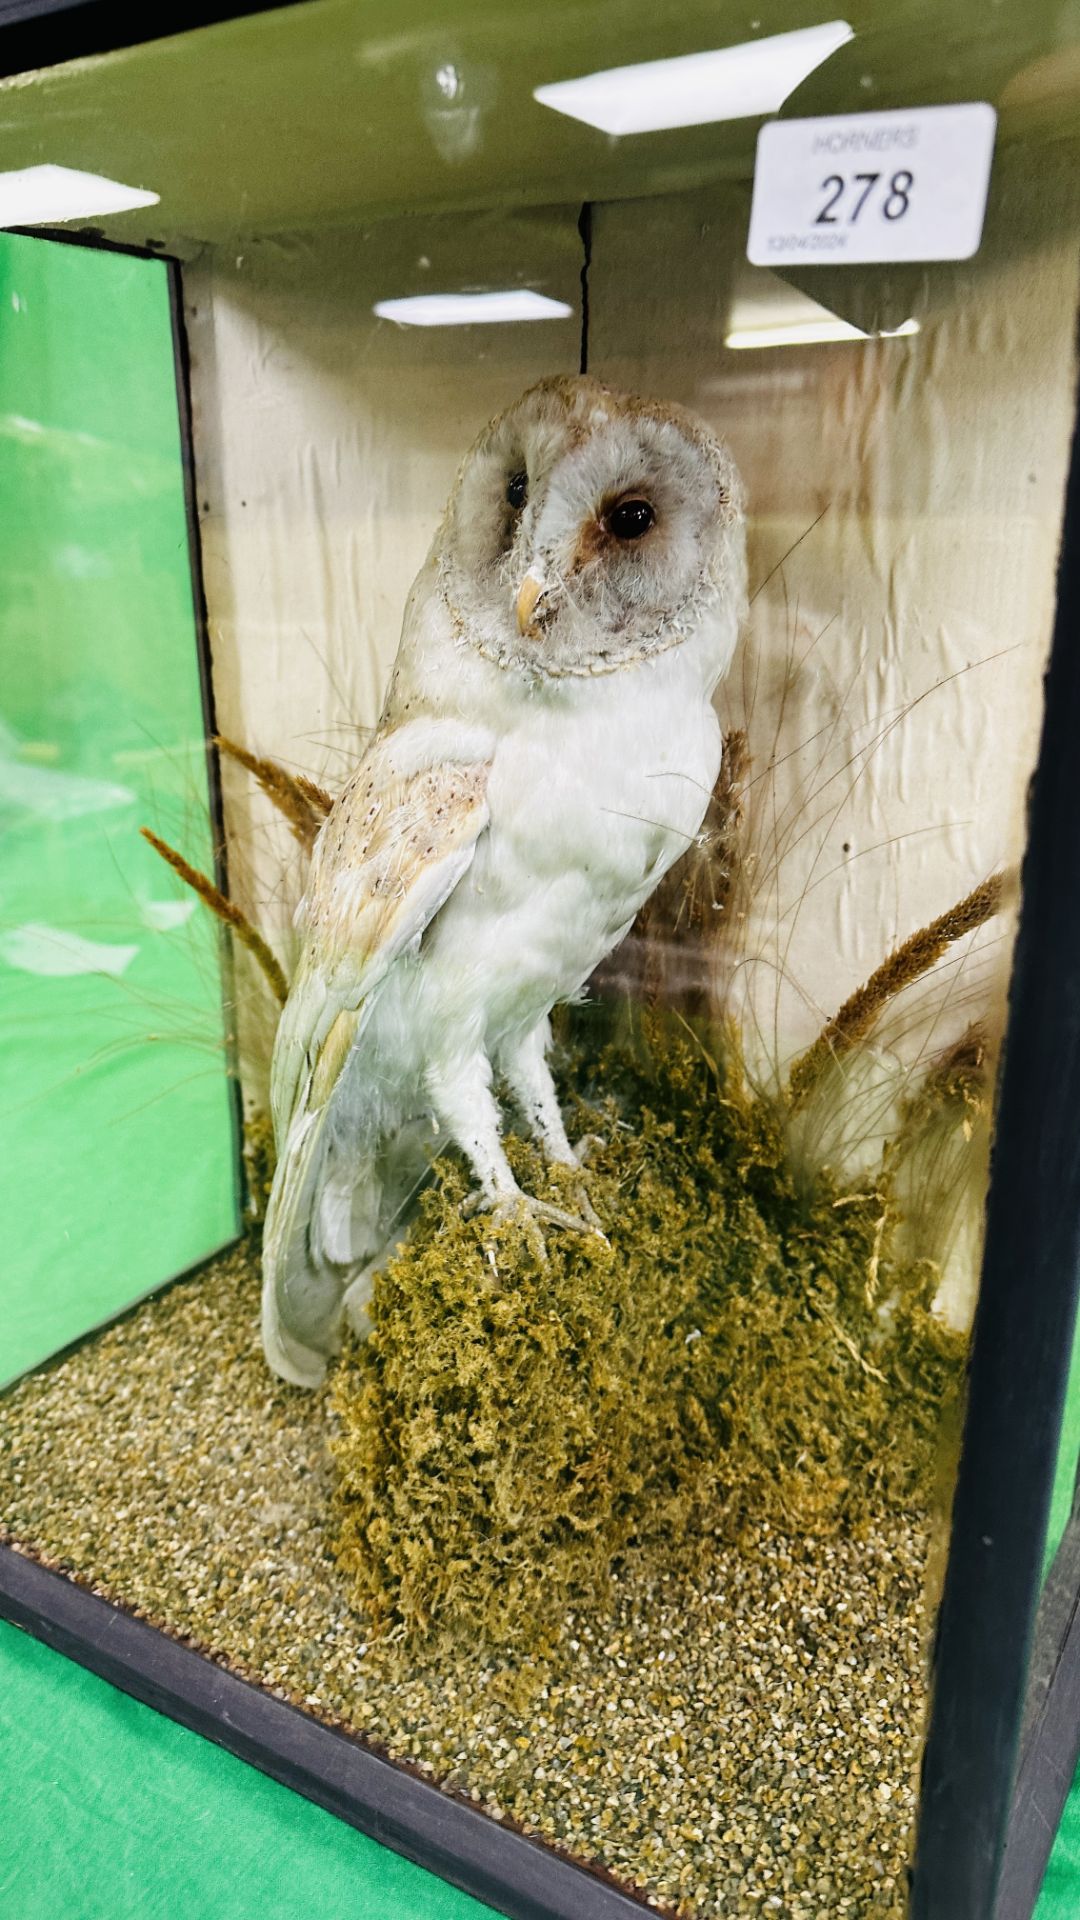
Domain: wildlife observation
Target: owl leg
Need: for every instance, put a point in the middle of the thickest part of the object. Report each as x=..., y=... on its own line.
x=466, y=1106
x=529, y=1077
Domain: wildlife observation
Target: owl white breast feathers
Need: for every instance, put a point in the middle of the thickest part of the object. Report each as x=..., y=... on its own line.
x=547, y=749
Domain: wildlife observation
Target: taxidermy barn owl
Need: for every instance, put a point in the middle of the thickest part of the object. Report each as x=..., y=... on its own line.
x=547, y=750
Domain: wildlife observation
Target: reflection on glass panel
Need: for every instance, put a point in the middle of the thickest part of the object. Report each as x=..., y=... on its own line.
x=118, y=1160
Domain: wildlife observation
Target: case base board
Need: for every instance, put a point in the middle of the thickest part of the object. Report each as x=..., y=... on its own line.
x=517, y=1876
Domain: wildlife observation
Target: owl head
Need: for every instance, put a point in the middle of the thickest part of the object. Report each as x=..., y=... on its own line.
x=588, y=529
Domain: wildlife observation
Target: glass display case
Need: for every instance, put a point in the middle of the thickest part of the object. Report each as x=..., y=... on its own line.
x=559, y=531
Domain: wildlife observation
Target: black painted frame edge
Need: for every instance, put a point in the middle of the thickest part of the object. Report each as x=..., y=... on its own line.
x=519, y=1876
x=215, y=804
x=46, y=33
x=1022, y=1336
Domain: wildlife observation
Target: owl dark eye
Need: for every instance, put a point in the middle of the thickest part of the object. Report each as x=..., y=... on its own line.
x=630, y=519
x=517, y=488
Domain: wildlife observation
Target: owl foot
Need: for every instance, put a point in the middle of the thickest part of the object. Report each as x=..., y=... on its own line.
x=589, y=1144
x=588, y=1213
x=529, y=1212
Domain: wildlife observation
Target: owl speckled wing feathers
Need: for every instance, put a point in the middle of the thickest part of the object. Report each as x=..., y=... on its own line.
x=392, y=849
x=546, y=753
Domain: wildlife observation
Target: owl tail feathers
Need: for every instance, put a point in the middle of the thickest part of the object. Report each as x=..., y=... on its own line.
x=301, y=1366
x=305, y=1269
x=323, y=1228
x=302, y=1292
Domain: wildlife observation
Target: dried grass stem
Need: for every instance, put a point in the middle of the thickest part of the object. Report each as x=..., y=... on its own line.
x=903, y=966
x=227, y=911
x=304, y=804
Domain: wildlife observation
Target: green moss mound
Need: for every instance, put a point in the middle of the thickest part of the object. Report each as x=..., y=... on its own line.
x=741, y=1350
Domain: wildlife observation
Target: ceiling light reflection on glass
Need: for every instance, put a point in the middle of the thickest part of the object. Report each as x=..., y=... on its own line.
x=729, y=83
x=809, y=333
x=472, y=309
x=47, y=196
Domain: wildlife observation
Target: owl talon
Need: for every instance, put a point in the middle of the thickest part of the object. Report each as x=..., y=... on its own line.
x=589, y=1144
x=589, y=1213
x=584, y=1222
x=528, y=1211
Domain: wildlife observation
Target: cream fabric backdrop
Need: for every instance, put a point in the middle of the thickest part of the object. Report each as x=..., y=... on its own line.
x=890, y=676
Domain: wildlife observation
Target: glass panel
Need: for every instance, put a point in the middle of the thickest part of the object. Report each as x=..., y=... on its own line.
x=118, y=1166
x=616, y=1495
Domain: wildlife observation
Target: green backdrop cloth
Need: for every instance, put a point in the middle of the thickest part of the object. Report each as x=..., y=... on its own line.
x=118, y=1169
x=108, y=1811
x=1068, y=1457
x=1060, y=1896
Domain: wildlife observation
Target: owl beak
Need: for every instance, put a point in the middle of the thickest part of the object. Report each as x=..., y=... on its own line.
x=530, y=591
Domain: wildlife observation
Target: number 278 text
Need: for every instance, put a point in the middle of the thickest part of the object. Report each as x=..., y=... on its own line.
x=892, y=199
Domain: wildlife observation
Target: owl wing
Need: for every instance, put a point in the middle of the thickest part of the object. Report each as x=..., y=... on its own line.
x=392, y=850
